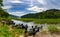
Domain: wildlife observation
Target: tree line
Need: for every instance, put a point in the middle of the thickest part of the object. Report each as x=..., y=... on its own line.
x=48, y=14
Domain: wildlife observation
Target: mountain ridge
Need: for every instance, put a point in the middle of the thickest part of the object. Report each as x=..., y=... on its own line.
x=51, y=13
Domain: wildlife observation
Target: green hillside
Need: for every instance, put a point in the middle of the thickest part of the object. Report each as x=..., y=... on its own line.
x=2, y=12
x=48, y=14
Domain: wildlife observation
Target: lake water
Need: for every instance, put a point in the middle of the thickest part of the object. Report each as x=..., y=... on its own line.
x=30, y=24
x=21, y=22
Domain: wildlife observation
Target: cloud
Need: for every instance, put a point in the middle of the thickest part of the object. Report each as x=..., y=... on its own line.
x=7, y=7
x=36, y=9
x=17, y=13
x=53, y=4
x=14, y=6
x=9, y=2
x=42, y=2
x=16, y=1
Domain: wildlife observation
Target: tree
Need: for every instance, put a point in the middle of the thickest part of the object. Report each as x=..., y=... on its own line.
x=2, y=12
x=1, y=2
x=48, y=14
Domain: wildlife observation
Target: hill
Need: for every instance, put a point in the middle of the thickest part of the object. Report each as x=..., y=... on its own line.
x=13, y=16
x=48, y=14
x=3, y=13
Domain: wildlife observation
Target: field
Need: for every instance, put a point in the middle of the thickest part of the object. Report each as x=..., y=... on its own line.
x=41, y=21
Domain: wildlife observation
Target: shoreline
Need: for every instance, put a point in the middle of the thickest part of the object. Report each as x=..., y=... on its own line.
x=40, y=21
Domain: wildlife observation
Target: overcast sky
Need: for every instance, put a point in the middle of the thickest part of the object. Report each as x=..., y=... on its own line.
x=22, y=7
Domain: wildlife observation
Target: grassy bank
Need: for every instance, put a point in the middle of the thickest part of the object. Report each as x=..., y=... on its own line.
x=7, y=31
x=41, y=21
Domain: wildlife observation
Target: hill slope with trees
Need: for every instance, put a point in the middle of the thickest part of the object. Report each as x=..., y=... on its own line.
x=48, y=14
x=2, y=12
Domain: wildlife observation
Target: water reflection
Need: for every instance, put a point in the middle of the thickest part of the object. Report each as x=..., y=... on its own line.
x=20, y=22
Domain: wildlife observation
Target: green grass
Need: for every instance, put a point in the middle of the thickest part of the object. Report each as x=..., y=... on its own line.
x=5, y=31
x=41, y=21
x=53, y=29
x=5, y=19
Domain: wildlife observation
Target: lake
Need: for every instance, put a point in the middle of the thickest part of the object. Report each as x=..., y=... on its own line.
x=17, y=22
x=33, y=24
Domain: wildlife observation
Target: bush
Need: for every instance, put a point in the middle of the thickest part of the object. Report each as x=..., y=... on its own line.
x=53, y=29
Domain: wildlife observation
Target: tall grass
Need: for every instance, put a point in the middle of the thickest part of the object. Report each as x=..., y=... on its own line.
x=49, y=21
x=6, y=32
x=53, y=29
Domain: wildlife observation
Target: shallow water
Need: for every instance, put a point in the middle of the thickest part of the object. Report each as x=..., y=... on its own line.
x=30, y=24
x=20, y=22
x=17, y=22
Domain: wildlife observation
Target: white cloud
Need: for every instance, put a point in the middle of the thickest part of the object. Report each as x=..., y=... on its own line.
x=31, y=4
x=12, y=1
x=34, y=5
x=42, y=2
x=36, y=9
x=36, y=2
x=7, y=7
x=17, y=13
x=16, y=1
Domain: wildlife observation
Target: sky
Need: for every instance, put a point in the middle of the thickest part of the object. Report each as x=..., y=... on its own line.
x=22, y=7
